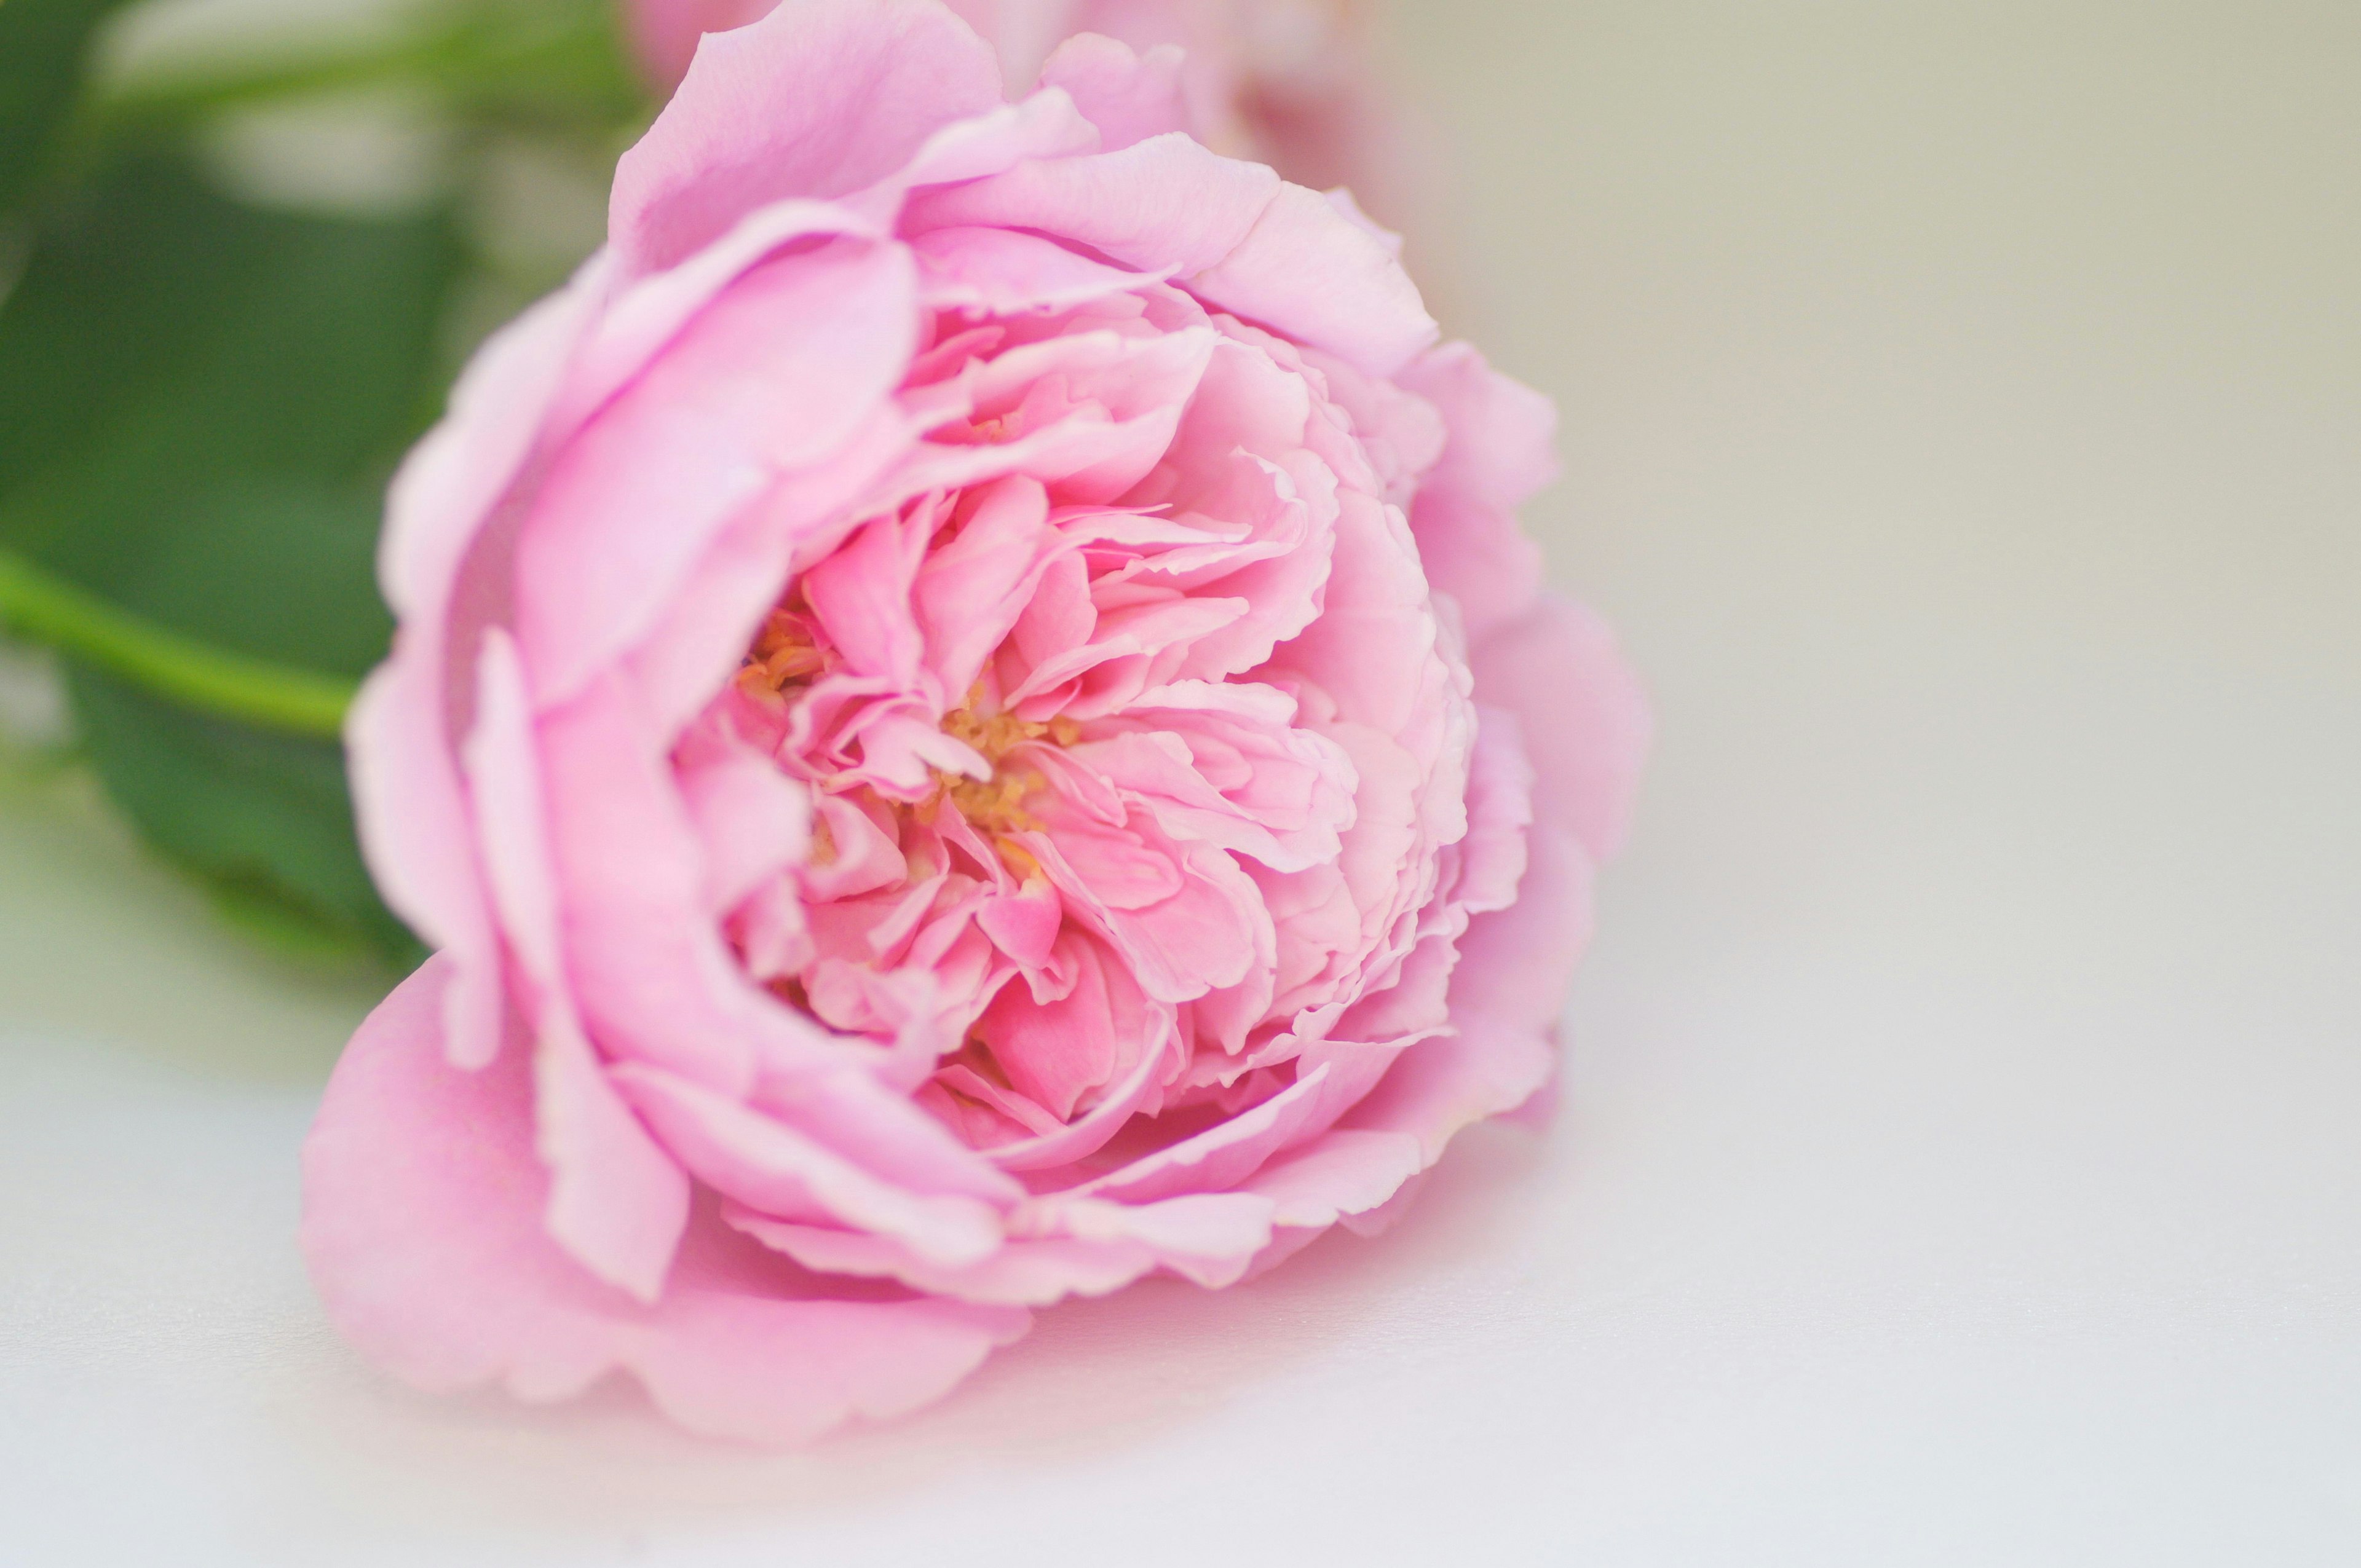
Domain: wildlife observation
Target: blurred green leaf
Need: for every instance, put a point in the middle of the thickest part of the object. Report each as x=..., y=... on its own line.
x=42, y=47
x=199, y=404
x=547, y=66
x=263, y=818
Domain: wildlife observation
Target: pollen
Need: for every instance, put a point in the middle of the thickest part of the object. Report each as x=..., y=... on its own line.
x=994, y=735
x=995, y=805
x=785, y=655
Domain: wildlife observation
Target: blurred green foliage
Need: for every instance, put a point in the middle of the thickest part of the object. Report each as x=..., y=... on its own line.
x=201, y=401
x=541, y=67
x=43, y=47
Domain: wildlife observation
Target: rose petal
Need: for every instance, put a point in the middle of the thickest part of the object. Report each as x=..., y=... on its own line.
x=422, y=1232
x=817, y=100
x=1584, y=719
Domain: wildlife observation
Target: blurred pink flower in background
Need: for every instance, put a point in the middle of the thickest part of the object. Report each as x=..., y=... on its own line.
x=970, y=722
x=1287, y=83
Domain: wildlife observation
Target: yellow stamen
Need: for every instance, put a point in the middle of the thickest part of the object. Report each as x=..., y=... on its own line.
x=783, y=655
x=993, y=735
x=994, y=805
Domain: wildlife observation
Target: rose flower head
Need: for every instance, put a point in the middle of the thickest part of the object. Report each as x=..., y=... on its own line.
x=970, y=722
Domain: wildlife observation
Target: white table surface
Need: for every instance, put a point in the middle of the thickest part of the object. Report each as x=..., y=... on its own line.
x=1961, y=1161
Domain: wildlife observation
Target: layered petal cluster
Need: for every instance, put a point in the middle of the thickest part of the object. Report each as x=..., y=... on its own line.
x=1287, y=83
x=970, y=722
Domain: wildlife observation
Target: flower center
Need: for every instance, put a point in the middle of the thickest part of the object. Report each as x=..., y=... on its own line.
x=994, y=806
x=786, y=655
x=789, y=653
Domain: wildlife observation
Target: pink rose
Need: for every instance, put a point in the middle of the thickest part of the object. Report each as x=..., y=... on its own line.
x=970, y=722
x=1287, y=83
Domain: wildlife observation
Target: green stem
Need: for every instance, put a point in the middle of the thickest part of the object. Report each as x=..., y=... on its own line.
x=44, y=608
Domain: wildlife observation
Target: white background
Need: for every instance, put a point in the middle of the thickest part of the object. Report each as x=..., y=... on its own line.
x=1959, y=1166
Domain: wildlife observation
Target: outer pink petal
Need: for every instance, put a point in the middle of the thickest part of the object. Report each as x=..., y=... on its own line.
x=502, y=769
x=642, y=315
x=1583, y=716
x=1007, y=273
x=645, y=957
x=821, y=98
x=1238, y=237
x=1208, y=1237
x=780, y=371
x=702, y=634
x=1346, y=1172
x=1498, y=454
x=1128, y=96
x=1165, y=202
x=1046, y=126
x=1585, y=726
x=776, y=1169
x=665, y=32
x=617, y=1201
x=1499, y=811
x=1321, y=278
x=1506, y=996
x=407, y=795
x=1077, y=1246
x=1334, y=1076
x=1021, y=1273
x=421, y=1230
x=1023, y=31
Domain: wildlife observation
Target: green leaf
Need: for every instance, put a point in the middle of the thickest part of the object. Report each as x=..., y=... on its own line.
x=200, y=402
x=265, y=819
x=43, y=47
x=544, y=66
